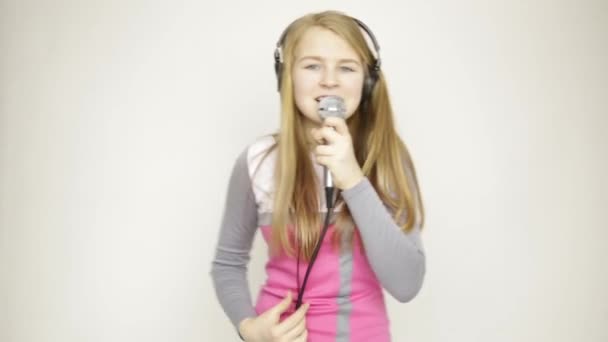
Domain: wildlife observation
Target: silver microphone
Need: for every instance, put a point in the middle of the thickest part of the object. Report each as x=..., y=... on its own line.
x=330, y=106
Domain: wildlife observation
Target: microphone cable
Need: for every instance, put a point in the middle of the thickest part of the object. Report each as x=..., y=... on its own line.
x=329, y=195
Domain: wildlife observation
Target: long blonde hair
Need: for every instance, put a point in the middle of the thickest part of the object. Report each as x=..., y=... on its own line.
x=383, y=157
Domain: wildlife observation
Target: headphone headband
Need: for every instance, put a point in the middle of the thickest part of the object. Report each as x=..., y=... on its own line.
x=377, y=61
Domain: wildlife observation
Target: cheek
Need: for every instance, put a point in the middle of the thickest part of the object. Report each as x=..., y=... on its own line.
x=300, y=94
x=353, y=95
x=302, y=91
x=303, y=88
x=356, y=91
x=302, y=83
x=354, y=84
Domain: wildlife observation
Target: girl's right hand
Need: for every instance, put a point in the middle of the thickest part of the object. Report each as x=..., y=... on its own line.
x=266, y=327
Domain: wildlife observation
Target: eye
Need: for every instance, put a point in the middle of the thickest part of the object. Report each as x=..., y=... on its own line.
x=312, y=67
x=347, y=69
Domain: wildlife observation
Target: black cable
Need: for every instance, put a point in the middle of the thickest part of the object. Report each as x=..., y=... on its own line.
x=329, y=195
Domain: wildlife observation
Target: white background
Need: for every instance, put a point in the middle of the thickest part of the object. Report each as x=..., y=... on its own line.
x=120, y=122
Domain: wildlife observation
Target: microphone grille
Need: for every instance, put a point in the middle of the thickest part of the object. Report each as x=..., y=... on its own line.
x=332, y=106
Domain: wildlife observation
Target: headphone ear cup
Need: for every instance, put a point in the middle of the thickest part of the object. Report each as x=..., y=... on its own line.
x=366, y=88
x=368, y=85
x=278, y=67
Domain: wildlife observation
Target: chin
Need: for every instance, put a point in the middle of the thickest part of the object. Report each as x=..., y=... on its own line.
x=311, y=116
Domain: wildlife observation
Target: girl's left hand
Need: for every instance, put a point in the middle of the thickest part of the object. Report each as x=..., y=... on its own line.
x=335, y=150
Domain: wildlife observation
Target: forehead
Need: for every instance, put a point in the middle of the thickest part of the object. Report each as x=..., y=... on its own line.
x=318, y=41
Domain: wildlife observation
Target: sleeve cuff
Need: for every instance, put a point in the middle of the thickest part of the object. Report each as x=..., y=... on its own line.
x=363, y=185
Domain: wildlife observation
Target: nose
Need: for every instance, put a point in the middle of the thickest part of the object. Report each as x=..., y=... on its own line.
x=328, y=79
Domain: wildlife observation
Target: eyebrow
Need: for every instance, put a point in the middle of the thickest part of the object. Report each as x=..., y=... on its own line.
x=343, y=60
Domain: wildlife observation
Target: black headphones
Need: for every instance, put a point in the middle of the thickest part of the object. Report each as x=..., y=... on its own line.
x=370, y=79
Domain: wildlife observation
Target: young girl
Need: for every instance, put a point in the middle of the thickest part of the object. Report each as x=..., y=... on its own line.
x=373, y=238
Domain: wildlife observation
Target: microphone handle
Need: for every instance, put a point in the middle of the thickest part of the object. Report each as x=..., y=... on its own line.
x=329, y=182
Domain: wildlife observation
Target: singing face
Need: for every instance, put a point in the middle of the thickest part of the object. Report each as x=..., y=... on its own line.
x=325, y=64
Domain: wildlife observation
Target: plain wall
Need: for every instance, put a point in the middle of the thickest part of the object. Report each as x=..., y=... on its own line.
x=120, y=122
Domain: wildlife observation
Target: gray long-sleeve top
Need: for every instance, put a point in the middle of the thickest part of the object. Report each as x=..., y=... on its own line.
x=397, y=258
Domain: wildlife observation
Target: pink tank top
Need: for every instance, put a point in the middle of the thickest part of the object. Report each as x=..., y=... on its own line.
x=345, y=297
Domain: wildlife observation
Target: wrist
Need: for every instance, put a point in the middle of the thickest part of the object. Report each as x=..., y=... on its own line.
x=356, y=179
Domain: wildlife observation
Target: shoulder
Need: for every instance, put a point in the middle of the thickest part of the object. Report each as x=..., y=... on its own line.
x=258, y=159
x=256, y=162
x=261, y=149
x=256, y=154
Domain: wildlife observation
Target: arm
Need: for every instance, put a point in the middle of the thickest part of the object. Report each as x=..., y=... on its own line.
x=238, y=227
x=396, y=257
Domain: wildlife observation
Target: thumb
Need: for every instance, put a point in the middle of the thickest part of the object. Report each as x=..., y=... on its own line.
x=284, y=304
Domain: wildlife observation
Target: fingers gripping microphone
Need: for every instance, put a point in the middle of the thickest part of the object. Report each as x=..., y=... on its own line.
x=330, y=106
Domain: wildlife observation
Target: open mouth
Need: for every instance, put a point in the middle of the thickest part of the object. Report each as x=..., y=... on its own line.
x=319, y=98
